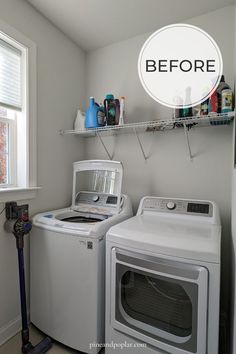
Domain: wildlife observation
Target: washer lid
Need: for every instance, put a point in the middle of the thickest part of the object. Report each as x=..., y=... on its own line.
x=93, y=225
x=69, y=221
x=100, y=181
x=169, y=236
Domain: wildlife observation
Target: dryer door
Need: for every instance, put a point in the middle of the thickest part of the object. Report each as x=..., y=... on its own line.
x=160, y=302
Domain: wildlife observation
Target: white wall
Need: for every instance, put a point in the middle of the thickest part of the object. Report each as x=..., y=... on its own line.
x=233, y=274
x=233, y=226
x=60, y=69
x=168, y=171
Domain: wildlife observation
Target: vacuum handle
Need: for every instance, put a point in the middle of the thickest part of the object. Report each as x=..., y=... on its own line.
x=23, y=292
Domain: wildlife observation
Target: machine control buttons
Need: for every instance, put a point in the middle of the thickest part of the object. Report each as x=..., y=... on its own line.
x=99, y=199
x=95, y=198
x=171, y=205
x=180, y=206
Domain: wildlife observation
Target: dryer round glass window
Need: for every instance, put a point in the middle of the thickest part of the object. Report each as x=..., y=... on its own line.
x=157, y=302
x=159, y=307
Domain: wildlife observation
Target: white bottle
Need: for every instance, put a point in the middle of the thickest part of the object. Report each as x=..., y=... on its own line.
x=79, y=123
x=122, y=111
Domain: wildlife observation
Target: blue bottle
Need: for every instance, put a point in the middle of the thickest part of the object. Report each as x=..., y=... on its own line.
x=94, y=115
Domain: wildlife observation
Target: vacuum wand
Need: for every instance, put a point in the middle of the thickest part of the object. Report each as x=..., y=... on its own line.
x=19, y=225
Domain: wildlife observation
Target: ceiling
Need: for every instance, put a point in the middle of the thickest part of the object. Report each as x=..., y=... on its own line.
x=97, y=23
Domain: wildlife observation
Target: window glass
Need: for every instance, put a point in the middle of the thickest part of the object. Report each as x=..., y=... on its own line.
x=10, y=76
x=4, y=134
x=101, y=181
x=156, y=302
x=7, y=146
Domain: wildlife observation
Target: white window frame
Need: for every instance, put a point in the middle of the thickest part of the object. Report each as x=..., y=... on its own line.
x=29, y=188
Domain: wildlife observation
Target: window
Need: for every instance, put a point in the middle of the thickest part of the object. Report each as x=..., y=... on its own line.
x=17, y=115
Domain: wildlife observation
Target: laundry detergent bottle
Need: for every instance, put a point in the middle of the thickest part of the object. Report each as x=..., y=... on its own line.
x=112, y=109
x=94, y=115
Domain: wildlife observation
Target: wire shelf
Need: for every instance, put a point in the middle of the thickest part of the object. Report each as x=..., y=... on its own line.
x=186, y=123
x=157, y=125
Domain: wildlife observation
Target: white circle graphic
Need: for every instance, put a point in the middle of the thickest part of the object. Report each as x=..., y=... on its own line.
x=180, y=65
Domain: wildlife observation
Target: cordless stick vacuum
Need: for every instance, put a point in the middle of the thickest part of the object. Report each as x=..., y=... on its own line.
x=19, y=224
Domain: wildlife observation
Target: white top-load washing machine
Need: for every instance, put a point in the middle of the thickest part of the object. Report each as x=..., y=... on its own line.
x=163, y=279
x=67, y=256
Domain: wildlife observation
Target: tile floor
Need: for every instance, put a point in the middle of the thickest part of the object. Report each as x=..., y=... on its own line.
x=14, y=344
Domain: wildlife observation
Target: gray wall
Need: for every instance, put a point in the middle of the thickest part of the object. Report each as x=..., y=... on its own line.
x=233, y=282
x=60, y=69
x=168, y=171
x=233, y=228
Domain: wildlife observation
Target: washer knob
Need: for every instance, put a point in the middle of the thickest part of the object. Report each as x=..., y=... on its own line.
x=171, y=205
x=95, y=198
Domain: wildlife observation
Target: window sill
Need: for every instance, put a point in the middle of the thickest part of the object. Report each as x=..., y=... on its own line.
x=17, y=193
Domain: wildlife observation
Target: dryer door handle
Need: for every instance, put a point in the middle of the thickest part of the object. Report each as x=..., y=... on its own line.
x=157, y=265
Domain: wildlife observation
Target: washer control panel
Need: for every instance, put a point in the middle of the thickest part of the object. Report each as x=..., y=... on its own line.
x=96, y=199
x=177, y=206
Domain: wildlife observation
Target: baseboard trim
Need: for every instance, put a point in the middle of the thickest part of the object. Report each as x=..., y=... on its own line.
x=10, y=329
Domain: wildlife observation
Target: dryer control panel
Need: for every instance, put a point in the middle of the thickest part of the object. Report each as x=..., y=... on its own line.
x=177, y=206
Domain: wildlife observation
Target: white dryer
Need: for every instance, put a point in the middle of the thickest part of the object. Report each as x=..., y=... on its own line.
x=67, y=256
x=163, y=279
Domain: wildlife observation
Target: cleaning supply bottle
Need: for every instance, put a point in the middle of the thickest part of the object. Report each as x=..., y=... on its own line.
x=112, y=110
x=122, y=111
x=204, y=107
x=101, y=116
x=94, y=115
x=178, y=112
x=187, y=111
x=79, y=123
x=196, y=110
x=226, y=100
x=222, y=86
x=213, y=104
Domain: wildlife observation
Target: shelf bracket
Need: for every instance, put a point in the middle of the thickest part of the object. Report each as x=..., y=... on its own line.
x=140, y=144
x=104, y=146
x=188, y=142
